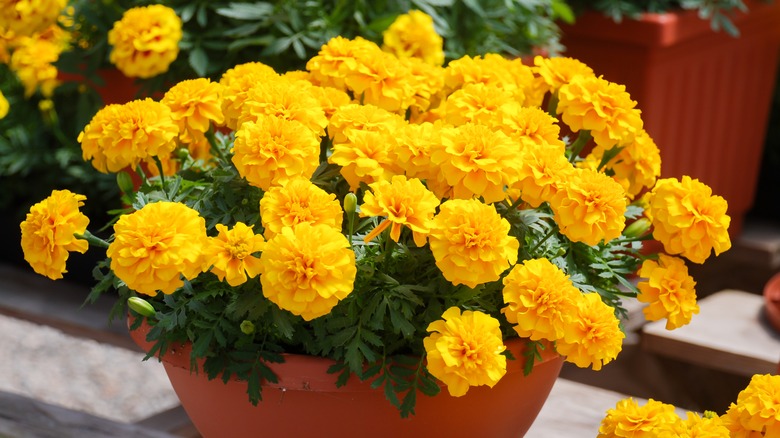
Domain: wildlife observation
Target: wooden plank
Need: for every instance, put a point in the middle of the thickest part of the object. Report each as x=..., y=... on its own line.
x=730, y=334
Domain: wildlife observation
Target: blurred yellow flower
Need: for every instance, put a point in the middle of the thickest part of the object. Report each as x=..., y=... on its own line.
x=593, y=336
x=4, y=106
x=230, y=253
x=298, y=201
x=33, y=62
x=145, y=41
x=668, y=291
x=28, y=17
x=628, y=419
x=156, y=246
x=308, y=269
x=464, y=350
x=48, y=232
x=195, y=104
x=413, y=35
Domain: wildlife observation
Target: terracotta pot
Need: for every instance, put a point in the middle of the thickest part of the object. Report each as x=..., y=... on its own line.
x=772, y=301
x=116, y=88
x=306, y=402
x=705, y=96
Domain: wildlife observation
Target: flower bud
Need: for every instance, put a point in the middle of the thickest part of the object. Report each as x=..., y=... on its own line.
x=247, y=327
x=125, y=182
x=141, y=306
x=350, y=203
x=638, y=228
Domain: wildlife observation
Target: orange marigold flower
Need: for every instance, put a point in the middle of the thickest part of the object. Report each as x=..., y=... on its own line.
x=330, y=99
x=589, y=207
x=367, y=156
x=273, y=150
x=628, y=419
x=476, y=161
x=298, y=201
x=285, y=100
x=707, y=426
x=476, y=103
x=229, y=254
x=464, y=350
x=156, y=246
x=471, y=243
x=559, y=71
x=427, y=82
x=404, y=202
x=237, y=81
x=33, y=62
x=538, y=296
x=119, y=136
x=496, y=70
x=308, y=269
x=28, y=17
x=415, y=143
x=530, y=125
x=688, y=219
x=543, y=168
x=145, y=41
x=593, y=336
x=413, y=35
x=48, y=232
x=355, y=117
x=668, y=290
x=757, y=410
x=601, y=107
x=195, y=104
x=337, y=59
x=381, y=79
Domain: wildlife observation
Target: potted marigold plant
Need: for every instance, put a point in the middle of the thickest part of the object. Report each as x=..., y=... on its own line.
x=421, y=234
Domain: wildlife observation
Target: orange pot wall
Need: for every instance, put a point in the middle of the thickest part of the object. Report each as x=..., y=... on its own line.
x=705, y=96
x=306, y=402
x=116, y=88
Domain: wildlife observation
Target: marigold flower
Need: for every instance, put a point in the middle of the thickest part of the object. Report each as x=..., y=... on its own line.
x=330, y=99
x=337, y=59
x=471, y=243
x=589, y=207
x=706, y=426
x=559, y=71
x=757, y=408
x=237, y=81
x=145, y=41
x=119, y=136
x=688, y=219
x=542, y=171
x=273, y=150
x=4, y=106
x=530, y=125
x=538, y=296
x=628, y=419
x=381, y=79
x=285, y=100
x=355, y=117
x=413, y=35
x=668, y=290
x=496, y=70
x=404, y=202
x=601, y=107
x=33, y=62
x=28, y=17
x=476, y=161
x=427, y=82
x=464, y=349
x=367, y=156
x=308, y=269
x=230, y=253
x=415, y=143
x=195, y=104
x=298, y=201
x=476, y=103
x=593, y=336
x=156, y=246
x=48, y=232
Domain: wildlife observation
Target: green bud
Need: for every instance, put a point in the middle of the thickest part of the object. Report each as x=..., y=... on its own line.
x=125, y=182
x=247, y=327
x=638, y=228
x=350, y=203
x=141, y=306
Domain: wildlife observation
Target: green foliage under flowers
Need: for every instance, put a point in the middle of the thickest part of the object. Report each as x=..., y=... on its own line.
x=376, y=332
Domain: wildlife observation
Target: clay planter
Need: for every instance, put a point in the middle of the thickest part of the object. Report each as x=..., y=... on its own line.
x=772, y=301
x=705, y=96
x=306, y=402
x=116, y=88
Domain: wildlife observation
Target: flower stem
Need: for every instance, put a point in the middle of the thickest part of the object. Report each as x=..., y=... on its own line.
x=544, y=239
x=214, y=148
x=583, y=137
x=92, y=239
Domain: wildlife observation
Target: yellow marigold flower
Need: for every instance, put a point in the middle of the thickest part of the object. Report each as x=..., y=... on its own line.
x=688, y=219
x=493, y=69
x=237, y=81
x=32, y=60
x=604, y=108
x=628, y=419
x=668, y=290
x=404, y=202
x=273, y=150
x=381, y=79
x=195, y=104
x=530, y=125
x=542, y=170
x=308, y=269
x=538, y=296
x=413, y=35
x=559, y=71
x=285, y=100
x=464, y=350
x=593, y=336
x=367, y=156
x=298, y=201
x=145, y=41
x=4, y=106
x=476, y=161
x=476, y=103
x=337, y=59
x=330, y=99
x=230, y=253
x=200, y=149
x=471, y=243
x=119, y=136
x=708, y=426
x=355, y=117
x=415, y=143
x=156, y=246
x=427, y=81
x=28, y=17
x=48, y=232
x=589, y=207
x=757, y=408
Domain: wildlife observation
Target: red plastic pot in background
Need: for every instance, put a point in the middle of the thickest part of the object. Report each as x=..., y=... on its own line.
x=772, y=301
x=705, y=96
x=117, y=87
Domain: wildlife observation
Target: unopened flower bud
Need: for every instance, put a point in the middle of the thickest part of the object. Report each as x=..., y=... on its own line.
x=638, y=228
x=247, y=327
x=125, y=182
x=141, y=306
x=350, y=203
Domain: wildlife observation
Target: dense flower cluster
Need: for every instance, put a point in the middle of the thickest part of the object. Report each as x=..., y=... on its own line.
x=374, y=206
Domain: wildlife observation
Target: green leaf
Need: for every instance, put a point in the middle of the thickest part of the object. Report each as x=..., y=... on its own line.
x=247, y=11
x=199, y=61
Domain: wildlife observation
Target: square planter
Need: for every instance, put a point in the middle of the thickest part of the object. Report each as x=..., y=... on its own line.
x=705, y=96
